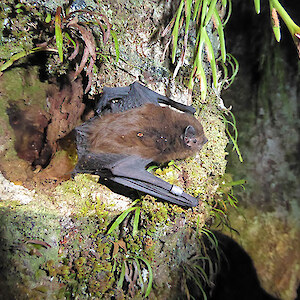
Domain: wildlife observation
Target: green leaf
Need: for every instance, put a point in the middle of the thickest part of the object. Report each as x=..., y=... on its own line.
x=120, y=219
x=234, y=66
x=136, y=221
x=203, y=12
x=202, y=272
x=48, y=18
x=70, y=39
x=234, y=183
x=197, y=8
x=232, y=201
x=212, y=238
x=151, y=168
x=211, y=56
x=58, y=34
x=122, y=276
x=211, y=9
x=257, y=6
x=175, y=31
x=138, y=266
x=149, y=287
x=202, y=78
x=277, y=33
x=17, y=56
x=233, y=139
x=228, y=13
x=188, y=13
x=116, y=43
x=291, y=25
x=198, y=70
x=275, y=22
x=220, y=33
x=200, y=73
x=191, y=79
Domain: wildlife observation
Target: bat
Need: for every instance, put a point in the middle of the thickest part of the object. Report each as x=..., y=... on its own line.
x=130, y=132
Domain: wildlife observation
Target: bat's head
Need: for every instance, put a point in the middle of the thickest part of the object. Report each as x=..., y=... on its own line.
x=194, y=139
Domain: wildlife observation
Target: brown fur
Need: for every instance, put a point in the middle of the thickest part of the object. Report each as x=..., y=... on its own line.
x=149, y=131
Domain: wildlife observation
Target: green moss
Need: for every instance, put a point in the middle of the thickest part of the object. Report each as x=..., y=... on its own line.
x=18, y=39
x=23, y=87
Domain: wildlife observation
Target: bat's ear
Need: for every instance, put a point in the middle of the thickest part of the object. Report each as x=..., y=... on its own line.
x=189, y=135
x=192, y=139
x=190, y=132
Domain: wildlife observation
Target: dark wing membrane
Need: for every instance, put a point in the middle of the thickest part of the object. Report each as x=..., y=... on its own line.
x=109, y=102
x=120, y=99
x=148, y=95
x=130, y=171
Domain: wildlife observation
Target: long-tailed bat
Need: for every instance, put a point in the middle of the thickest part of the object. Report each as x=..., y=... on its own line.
x=131, y=132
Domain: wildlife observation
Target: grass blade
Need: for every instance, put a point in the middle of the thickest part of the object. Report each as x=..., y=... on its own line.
x=122, y=276
x=200, y=73
x=234, y=66
x=17, y=56
x=210, y=236
x=275, y=23
x=58, y=34
x=228, y=13
x=116, y=43
x=120, y=219
x=175, y=31
x=149, y=287
x=233, y=139
x=70, y=39
x=202, y=272
x=211, y=9
x=188, y=13
x=136, y=221
x=168, y=28
x=220, y=33
x=257, y=6
x=199, y=70
x=211, y=57
x=202, y=79
x=203, y=11
x=138, y=266
x=197, y=8
x=234, y=183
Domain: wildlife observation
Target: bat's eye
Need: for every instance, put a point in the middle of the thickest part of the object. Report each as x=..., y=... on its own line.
x=139, y=134
x=194, y=141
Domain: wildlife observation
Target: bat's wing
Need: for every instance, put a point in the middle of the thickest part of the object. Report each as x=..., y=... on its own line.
x=130, y=171
x=140, y=91
x=119, y=99
x=111, y=99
